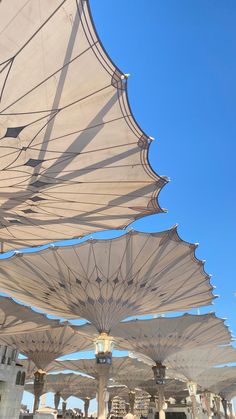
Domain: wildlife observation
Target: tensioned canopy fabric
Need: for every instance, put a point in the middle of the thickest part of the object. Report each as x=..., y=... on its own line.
x=68, y=383
x=215, y=379
x=229, y=391
x=15, y=318
x=173, y=388
x=192, y=362
x=89, y=366
x=155, y=339
x=73, y=159
x=44, y=347
x=31, y=368
x=105, y=281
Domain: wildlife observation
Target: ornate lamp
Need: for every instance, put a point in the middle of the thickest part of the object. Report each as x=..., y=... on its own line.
x=103, y=348
x=159, y=371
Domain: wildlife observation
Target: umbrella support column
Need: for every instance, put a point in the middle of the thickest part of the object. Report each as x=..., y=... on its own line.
x=39, y=380
x=86, y=407
x=57, y=398
x=131, y=401
x=103, y=376
x=161, y=401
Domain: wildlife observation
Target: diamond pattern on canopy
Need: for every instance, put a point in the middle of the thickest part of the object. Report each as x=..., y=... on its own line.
x=15, y=318
x=120, y=365
x=43, y=347
x=189, y=364
x=105, y=281
x=155, y=339
x=73, y=159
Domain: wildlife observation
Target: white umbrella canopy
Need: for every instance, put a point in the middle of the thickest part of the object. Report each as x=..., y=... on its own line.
x=44, y=347
x=189, y=364
x=106, y=281
x=215, y=379
x=68, y=384
x=73, y=159
x=31, y=368
x=16, y=318
x=120, y=365
x=155, y=340
x=228, y=391
x=173, y=388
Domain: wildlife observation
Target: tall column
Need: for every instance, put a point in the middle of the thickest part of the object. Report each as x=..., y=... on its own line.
x=217, y=404
x=131, y=401
x=103, y=376
x=230, y=406
x=39, y=380
x=192, y=389
x=64, y=409
x=161, y=401
x=224, y=403
x=207, y=400
x=86, y=407
x=57, y=398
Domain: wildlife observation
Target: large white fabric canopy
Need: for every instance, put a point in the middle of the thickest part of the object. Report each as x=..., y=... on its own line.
x=215, y=379
x=44, y=347
x=15, y=318
x=89, y=366
x=73, y=159
x=156, y=339
x=189, y=364
x=31, y=368
x=173, y=388
x=68, y=384
x=105, y=281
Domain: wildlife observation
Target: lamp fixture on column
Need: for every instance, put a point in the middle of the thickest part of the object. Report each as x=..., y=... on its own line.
x=159, y=371
x=103, y=348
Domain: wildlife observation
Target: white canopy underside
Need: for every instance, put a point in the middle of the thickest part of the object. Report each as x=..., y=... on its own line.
x=44, y=347
x=73, y=160
x=156, y=339
x=69, y=384
x=216, y=379
x=189, y=364
x=105, y=281
x=15, y=318
x=88, y=366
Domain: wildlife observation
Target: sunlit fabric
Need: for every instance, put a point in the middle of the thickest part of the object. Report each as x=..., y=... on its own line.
x=119, y=365
x=106, y=281
x=43, y=347
x=30, y=367
x=216, y=379
x=69, y=384
x=154, y=340
x=15, y=318
x=189, y=364
x=73, y=159
x=173, y=388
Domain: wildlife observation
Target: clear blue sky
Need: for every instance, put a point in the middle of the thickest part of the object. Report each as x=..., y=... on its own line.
x=182, y=89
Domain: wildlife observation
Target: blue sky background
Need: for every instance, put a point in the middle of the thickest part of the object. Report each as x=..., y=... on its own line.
x=182, y=89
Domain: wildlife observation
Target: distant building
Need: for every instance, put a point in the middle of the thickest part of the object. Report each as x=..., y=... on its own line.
x=12, y=380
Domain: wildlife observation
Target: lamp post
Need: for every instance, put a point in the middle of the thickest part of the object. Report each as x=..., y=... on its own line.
x=39, y=380
x=159, y=372
x=103, y=349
